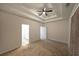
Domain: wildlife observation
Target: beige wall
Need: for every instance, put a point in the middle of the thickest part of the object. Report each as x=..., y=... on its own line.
x=10, y=31
x=58, y=31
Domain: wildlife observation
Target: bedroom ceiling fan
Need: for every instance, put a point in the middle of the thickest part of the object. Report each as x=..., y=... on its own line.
x=44, y=11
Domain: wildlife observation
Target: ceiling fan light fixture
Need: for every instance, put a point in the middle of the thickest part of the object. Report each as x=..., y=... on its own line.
x=44, y=11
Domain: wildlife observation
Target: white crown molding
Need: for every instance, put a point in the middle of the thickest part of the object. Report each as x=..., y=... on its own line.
x=22, y=11
x=27, y=14
x=74, y=9
x=56, y=19
x=51, y=17
x=15, y=11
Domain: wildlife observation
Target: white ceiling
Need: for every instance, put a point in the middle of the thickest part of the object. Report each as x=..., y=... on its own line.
x=29, y=10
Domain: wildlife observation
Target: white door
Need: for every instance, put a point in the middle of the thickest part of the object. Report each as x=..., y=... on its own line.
x=43, y=33
x=25, y=34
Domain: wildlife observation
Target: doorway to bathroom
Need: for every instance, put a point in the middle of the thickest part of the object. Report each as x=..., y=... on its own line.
x=25, y=34
x=43, y=32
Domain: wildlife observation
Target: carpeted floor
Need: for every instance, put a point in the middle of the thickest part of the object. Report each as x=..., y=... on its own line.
x=41, y=48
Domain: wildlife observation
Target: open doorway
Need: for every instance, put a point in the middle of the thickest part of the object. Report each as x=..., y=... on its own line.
x=43, y=32
x=25, y=34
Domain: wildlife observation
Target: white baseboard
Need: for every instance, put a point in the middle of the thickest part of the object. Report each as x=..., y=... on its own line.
x=5, y=51
x=58, y=41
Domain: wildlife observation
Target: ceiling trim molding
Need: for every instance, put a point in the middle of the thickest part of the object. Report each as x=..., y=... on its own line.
x=21, y=16
x=26, y=13
x=30, y=11
x=25, y=17
x=56, y=19
x=51, y=17
x=13, y=10
x=74, y=9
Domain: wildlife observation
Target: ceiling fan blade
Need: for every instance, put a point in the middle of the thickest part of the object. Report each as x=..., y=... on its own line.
x=41, y=10
x=49, y=10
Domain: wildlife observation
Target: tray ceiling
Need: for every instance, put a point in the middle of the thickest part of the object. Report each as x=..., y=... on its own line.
x=60, y=10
